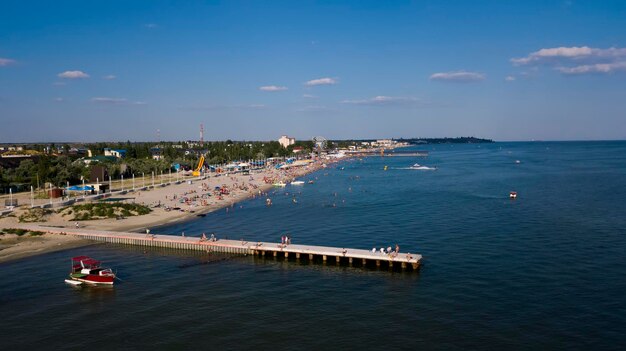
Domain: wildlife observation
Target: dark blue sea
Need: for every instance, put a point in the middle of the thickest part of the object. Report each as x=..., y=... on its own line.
x=544, y=271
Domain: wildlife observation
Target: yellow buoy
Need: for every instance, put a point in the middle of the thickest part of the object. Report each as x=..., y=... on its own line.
x=385, y=168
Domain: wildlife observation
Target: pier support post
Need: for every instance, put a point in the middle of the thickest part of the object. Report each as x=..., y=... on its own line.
x=338, y=259
x=324, y=258
x=377, y=263
x=311, y=257
x=286, y=254
x=275, y=253
x=403, y=265
x=350, y=260
x=364, y=262
x=415, y=265
x=297, y=255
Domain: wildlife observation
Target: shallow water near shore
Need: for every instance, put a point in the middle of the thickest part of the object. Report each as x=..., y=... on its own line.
x=545, y=270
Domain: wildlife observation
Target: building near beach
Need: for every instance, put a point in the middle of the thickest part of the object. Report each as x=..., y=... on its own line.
x=285, y=141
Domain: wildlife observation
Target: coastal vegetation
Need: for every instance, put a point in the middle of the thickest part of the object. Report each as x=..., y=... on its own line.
x=21, y=232
x=102, y=210
x=34, y=215
x=59, y=165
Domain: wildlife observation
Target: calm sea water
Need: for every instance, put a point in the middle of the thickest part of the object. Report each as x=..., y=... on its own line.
x=547, y=270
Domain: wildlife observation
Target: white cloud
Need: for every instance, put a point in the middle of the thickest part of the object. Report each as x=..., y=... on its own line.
x=383, y=101
x=6, y=62
x=321, y=81
x=73, y=75
x=594, y=68
x=109, y=100
x=109, y=77
x=272, y=88
x=577, y=60
x=309, y=96
x=458, y=77
x=551, y=53
x=509, y=78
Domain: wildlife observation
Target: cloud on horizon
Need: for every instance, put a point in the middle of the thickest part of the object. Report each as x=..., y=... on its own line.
x=458, y=77
x=109, y=77
x=109, y=100
x=272, y=88
x=576, y=60
x=5, y=61
x=384, y=101
x=509, y=78
x=321, y=81
x=73, y=75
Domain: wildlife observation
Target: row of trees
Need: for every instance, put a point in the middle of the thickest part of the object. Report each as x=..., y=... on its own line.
x=59, y=170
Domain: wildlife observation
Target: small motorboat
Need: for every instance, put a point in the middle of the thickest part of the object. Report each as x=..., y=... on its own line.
x=422, y=168
x=311, y=182
x=87, y=270
x=297, y=182
x=513, y=195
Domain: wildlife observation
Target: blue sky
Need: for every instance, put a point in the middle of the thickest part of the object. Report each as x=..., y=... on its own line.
x=118, y=70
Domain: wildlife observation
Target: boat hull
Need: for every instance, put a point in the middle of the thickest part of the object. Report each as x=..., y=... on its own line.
x=93, y=279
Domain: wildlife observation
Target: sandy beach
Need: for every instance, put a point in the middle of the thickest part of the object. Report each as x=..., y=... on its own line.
x=13, y=247
x=171, y=203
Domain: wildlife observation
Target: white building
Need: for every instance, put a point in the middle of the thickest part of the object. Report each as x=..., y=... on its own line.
x=115, y=153
x=285, y=141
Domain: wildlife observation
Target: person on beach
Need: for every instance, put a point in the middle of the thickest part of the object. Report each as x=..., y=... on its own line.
x=147, y=232
x=203, y=237
x=373, y=250
x=397, y=248
x=213, y=237
x=77, y=225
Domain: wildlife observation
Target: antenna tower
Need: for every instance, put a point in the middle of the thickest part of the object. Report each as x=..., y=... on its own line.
x=201, y=134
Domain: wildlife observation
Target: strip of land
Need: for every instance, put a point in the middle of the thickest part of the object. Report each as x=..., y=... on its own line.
x=169, y=204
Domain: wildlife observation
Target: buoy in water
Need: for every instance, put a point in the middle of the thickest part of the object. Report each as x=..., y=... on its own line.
x=513, y=194
x=385, y=168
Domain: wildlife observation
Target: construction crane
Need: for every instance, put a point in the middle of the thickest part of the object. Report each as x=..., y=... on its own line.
x=196, y=172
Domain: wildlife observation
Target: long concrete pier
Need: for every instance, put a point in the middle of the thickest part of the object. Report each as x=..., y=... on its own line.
x=264, y=249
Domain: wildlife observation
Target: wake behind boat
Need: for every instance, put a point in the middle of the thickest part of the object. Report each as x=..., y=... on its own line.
x=87, y=270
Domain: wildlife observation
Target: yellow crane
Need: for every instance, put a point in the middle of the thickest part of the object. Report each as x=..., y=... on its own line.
x=196, y=172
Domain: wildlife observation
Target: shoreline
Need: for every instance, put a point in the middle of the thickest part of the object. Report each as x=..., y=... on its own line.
x=23, y=247
x=241, y=188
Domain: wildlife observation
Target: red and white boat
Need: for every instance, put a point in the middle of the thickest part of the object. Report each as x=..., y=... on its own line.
x=87, y=270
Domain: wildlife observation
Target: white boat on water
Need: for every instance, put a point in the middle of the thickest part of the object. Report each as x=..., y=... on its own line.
x=417, y=166
x=279, y=184
x=297, y=182
x=73, y=282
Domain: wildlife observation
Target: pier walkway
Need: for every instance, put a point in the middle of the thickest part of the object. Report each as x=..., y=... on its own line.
x=297, y=251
